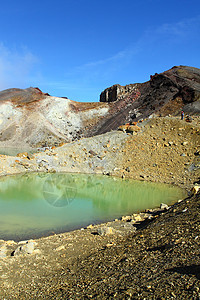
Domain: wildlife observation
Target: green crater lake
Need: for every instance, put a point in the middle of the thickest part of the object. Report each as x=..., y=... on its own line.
x=36, y=204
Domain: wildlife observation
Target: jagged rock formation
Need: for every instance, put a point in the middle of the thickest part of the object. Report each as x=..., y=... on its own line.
x=117, y=92
x=183, y=80
x=166, y=93
x=30, y=118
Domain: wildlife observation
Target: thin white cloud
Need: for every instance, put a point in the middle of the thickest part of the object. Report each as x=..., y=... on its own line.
x=16, y=67
x=169, y=31
x=180, y=29
x=118, y=56
x=94, y=74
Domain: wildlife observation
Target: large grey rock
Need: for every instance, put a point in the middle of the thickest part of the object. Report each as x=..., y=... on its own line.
x=105, y=230
x=28, y=248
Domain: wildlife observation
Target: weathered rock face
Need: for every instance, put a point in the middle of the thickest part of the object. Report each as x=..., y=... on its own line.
x=117, y=92
x=166, y=93
x=30, y=118
x=182, y=81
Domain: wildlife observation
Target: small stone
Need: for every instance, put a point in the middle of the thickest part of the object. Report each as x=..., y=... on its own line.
x=92, y=153
x=142, y=176
x=164, y=206
x=105, y=230
x=60, y=248
x=195, y=189
x=90, y=226
x=133, y=128
x=126, y=218
x=23, y=155
x=109, y=245
x=10, y=242
x=137, y=218
x=22, y=242
x=184, y=143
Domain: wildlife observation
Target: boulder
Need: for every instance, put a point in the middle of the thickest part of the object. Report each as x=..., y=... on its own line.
x=105, y=230
x=28, y=248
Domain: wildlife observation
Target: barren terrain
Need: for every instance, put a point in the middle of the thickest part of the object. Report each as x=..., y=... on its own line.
x=135, y=131
x=153, y=255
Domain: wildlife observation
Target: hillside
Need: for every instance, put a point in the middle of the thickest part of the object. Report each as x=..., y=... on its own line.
x=31, y=118
x=155, y=258
x=165, y=93
x=151, y=255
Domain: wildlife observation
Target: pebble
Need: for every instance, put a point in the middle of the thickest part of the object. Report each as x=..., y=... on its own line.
x=164, y=206
x=183, y=154
x=60, y=248
x=185, y=209
x=184, y=143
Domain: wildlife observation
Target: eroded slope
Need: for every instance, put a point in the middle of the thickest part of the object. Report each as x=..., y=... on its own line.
x=30, y=118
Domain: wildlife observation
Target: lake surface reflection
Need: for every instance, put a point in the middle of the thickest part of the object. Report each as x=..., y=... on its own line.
x=37, y=204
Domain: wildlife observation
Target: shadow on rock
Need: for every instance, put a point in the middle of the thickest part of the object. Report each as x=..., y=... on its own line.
x=188, y=270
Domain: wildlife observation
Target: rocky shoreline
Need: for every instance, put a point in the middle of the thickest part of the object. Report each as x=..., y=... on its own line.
x=152, y=255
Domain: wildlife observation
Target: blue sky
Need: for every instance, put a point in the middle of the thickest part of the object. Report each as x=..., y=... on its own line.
x=77, y=48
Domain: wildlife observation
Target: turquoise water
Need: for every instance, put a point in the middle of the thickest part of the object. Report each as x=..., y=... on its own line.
x=37, y=204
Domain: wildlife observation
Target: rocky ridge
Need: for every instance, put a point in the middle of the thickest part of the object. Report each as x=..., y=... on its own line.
x=151, y=255
x=30, y=118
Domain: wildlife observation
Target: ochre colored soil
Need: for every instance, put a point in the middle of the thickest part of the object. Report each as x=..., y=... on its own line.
x=156, y=256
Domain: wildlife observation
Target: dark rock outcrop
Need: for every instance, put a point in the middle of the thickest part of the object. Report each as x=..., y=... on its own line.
x=36, y=119
x=165, y=93
x=116, y=92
